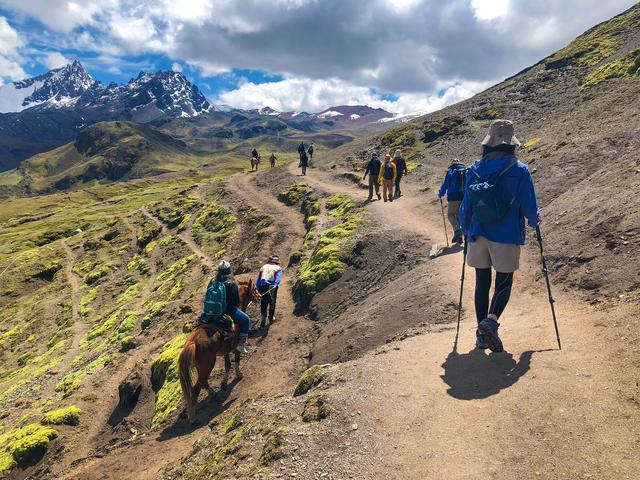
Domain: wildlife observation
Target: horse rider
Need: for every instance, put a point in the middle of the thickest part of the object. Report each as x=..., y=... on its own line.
x=267, y=283
x=225, y=277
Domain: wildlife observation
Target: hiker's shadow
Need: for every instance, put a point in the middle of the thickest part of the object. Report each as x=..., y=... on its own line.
x=455, y=248
x=208, y=408
x=477, y=375
x=261, y=333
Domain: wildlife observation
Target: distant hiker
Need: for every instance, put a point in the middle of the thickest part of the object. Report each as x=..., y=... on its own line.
x=254, y=153
x=230, y=302
x=272, y=160
x=304, y=162
x=302, y=149
x=453, y=186
x=387, y=176
x=267, y=284
x=310, y=152
x=255, y=159
x=373, y=170
x=498, y=196
x=401, y=169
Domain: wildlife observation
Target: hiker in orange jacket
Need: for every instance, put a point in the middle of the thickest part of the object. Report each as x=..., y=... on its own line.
x=387, y=176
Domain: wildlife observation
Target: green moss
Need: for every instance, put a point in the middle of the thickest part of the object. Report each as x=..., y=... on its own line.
x=168, y=240
x=397, y=137
x=213, y=227
x=138, y=263
x=96, y=274
x=28, y=442
x=273, y=448
x=72, y=381
x=339, y=205
x=626, y=66
x=184, y=224
x=411, y=166
x=105, y=327
x=165, y=380
x=150, y=247
x=293, y=193
x=310, y=378
x=128, y=343
x=230, y=425
x=597, y=44
x=127, y=325
x=433, y=130
x=315, y=408
x=83, y=309
x=129, y=294
x=488, y=113
x=147, y=231
x=174, y=211
x=155, y=310
x=532, y=143
x=66, y=416
x=310, y=222
x=340, y=231
x=168, y=278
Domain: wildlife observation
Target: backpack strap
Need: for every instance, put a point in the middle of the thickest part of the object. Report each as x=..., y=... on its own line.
x=511, y=164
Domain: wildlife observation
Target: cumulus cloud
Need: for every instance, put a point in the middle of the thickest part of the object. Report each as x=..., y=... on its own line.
x=10, y=58
x=55, y=60
x=298, y=94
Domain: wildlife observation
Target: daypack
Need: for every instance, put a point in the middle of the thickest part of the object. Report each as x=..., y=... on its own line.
x=388, y=171
x=459, y=177
x=487, y=197
x=215, y=300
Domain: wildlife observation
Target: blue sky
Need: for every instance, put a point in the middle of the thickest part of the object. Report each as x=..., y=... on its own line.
x=402, y=55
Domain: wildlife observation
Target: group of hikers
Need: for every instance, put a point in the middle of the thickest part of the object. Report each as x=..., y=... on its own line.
x=488, y=203
x=388, y=173
x=305, y=153
x=222, y=299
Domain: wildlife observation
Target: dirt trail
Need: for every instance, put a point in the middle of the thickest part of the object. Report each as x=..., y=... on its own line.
x=429, y=411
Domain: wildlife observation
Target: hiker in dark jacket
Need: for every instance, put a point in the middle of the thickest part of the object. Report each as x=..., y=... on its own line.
x=304, y=162
x=301, y=149
x=254, y=153
x=310, y=152
x=373, y=170
x=225, y=276
x=272, y=160
x=401, y=169
x=496, y=234
x=453, y=187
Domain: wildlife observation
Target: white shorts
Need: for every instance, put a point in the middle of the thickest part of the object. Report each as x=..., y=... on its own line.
x=503, y=257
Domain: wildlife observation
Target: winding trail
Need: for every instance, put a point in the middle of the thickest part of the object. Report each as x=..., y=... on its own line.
x=430, y=411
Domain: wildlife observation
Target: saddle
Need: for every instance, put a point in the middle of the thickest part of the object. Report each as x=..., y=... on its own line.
x=214, y=323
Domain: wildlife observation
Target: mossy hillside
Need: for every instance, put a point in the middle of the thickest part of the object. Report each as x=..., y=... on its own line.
x=102, y=328
x=273, y=448
x=488, y=113
x=155, y=310
x=19, y=445
x=165, y=380
x=171, y=277
x=339, y=205
x=29, y=269
x=315, y=408
x=310, y=378
x=399, y=137
x=62, y=416
x=138, y=264
x=174, y=211
x=293, y=193
x=146, y=231
x=74, y=380
x=597, y=44
x=432, y=130
x=212, y=228
x=626, y=66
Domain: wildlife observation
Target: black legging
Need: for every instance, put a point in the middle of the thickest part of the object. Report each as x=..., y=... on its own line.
x=398, y=178
x=269, y=299
x=501, y=293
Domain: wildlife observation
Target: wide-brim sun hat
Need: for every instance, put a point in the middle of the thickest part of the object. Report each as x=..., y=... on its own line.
x=398, y=154
x=501, y=133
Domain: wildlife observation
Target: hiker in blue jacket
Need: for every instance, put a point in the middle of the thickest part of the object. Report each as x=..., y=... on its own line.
x=499, y=195
x=453, y=187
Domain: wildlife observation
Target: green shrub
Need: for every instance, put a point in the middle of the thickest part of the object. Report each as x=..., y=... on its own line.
x=339, y=205
x=626, y=66
x=165, y=379
x=17, y=446
x=66, y=416
x=293, y=193
x=310, y=378
x=315, y=408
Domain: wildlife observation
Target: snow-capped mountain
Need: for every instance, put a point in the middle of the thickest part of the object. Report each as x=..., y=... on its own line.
x=341, y=116
x=58, y=88
x=150, y=96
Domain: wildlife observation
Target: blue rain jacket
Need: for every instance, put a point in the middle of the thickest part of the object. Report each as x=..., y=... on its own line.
x=450, y=184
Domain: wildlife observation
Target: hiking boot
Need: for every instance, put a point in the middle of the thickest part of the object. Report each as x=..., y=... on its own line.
x=488, y=328
x=242, y=343
x=385, y=199
x=481, y=341
x=379, y=196
x=264, y=320
x=272, y=319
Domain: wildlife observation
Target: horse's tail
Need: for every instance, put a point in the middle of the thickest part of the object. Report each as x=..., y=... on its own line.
x=186, y=359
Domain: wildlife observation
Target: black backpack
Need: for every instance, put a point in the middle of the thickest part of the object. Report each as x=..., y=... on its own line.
x=460, y=176
x=488, y=197
x=388, y=171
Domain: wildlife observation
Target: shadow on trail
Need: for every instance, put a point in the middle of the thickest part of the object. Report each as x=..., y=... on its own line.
x=476, y=375
x=208, y=408
x=450, y=250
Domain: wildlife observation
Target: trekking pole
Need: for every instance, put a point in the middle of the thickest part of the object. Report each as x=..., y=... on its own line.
x=444, y=223
x=464, y=263
x=546, y=277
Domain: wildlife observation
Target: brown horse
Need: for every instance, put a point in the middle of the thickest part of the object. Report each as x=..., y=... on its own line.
x=202, y=347
x=255, y=161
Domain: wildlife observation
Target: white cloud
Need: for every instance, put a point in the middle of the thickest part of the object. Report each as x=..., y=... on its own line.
x=10, y=59
x=299, y=94
x=176, y=67
x=55, y=60
x=490, y=9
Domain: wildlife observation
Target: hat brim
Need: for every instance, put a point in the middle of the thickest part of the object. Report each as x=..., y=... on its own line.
x=490, y=141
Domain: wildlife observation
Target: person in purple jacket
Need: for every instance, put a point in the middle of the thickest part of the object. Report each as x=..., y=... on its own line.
x=499, y=195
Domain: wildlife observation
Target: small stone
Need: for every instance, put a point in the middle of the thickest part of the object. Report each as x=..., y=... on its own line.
x=354, y=426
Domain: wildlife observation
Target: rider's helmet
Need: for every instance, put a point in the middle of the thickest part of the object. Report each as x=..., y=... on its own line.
x=224, y=271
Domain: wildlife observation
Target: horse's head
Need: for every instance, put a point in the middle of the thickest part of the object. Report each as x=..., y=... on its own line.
x=248, y=293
